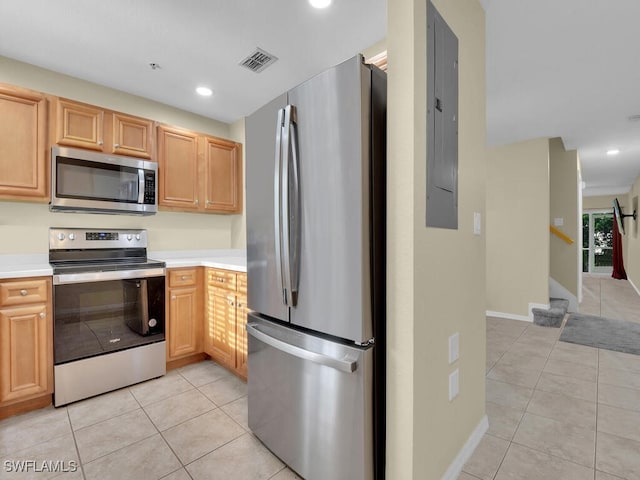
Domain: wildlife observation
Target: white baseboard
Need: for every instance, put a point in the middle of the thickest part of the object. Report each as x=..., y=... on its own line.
x=510, y=316
x=467, y=450
x=633, y=285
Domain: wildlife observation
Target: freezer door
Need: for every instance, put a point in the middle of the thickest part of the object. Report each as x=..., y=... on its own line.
x=263, y=276
x=333, y=146
x=310, y=401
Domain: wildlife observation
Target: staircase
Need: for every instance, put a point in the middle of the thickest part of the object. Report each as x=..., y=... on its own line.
x=552, y=317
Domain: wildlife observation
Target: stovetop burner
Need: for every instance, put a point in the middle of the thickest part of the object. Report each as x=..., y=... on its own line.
x=75, y=250
x=101, y=266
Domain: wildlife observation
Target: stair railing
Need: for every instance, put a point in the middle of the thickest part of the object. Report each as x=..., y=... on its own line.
x=561, y=235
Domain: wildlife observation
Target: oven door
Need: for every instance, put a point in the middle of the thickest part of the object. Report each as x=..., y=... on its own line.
x=101, y=312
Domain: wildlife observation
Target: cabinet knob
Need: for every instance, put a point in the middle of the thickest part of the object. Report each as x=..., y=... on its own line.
x=100, y=142
x=41, y=315
x=183, y=277
x=196, y=202
x=117, y=145
x=173, y=297
x=23, y=293
x=221, y=280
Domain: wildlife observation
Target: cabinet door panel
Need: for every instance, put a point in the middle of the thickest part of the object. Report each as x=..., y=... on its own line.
x=24, y=352
x=132, y=136
x=178, y=168
x=220, y=326
x=22, y=144
x=223, y=167
x=79, y=125
x=241, y=336
x=183, y=332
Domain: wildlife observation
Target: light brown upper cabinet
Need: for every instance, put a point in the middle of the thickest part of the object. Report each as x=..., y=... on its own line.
x=198, y=173
x=223, y=175
x=178, y=169
x=80, y=125
x=23, y=144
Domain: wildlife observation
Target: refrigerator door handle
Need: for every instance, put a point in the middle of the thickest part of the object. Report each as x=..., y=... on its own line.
x=294, y=205
x=346, y=366
x=289, y=234
x=277, y=203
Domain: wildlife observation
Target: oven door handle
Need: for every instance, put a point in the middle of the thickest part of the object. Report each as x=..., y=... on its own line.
x=88, y=277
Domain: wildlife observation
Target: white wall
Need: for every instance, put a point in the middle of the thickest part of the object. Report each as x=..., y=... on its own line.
x=436, y=277
x=517, y=227
x=564, y=170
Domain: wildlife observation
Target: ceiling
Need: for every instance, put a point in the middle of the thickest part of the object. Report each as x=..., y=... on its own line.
x=554, y=68
x=568, y=69
x=195, y=42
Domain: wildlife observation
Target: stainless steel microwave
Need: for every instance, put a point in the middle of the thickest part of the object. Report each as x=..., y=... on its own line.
x=85, y=181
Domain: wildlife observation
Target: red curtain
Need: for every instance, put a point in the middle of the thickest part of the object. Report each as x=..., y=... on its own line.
x=618, y=266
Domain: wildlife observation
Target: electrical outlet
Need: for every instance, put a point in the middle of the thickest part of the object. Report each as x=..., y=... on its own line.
x=454, y=384
x=477, y=223
x=454, y=347
x=558, y=222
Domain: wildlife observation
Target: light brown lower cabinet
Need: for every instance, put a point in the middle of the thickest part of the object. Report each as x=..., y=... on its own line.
x=184, y=313
x=26, y=341
x=225, y=320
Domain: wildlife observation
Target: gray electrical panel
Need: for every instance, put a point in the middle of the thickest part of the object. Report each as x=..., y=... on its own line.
x=442, y=122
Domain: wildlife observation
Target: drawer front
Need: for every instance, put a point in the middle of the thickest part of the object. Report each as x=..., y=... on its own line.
x=221, y=279
x=23, y=292
x=242, y=283
x=183, y=277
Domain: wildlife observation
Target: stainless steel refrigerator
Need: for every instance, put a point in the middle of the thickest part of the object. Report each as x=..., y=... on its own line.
x=316, y=219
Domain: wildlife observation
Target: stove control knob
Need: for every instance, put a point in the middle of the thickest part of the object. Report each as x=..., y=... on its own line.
x=129, y=237
x=72, y=236
x=61, y=236
x=138, y=236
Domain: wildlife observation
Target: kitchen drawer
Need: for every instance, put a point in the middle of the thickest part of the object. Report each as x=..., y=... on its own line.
x=221, y=279
x=22, y=292
x=183, y=277
x=242, y=283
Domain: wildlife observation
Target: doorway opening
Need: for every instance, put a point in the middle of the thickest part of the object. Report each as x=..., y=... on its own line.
x=597, y=241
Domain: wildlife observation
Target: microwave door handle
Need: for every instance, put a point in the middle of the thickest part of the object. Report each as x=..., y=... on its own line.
x=140, y=186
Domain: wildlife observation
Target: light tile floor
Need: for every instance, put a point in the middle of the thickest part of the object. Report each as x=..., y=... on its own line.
x=558, y=410
x=607, y=297
x=189, y=424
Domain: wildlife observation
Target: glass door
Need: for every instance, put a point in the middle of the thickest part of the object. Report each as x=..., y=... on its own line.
x=597, y=242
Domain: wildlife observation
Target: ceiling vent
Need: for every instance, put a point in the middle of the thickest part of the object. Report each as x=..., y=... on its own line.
x=634, y=118
x=258, y=60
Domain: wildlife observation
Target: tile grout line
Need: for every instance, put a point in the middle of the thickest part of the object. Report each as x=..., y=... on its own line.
x=217, y=407
x=75, y=442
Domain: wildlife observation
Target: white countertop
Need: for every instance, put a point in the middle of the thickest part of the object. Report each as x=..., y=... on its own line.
x=37, y=265
x=225, y=259
x=20, y=266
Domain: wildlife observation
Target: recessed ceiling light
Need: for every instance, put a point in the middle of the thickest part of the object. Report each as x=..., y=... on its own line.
x=204, y=91
x=613, y=151
x=320, y=3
